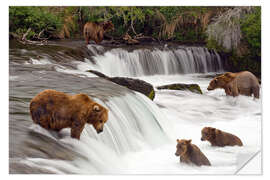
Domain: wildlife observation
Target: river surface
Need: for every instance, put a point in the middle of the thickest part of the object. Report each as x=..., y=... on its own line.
x=140, y=135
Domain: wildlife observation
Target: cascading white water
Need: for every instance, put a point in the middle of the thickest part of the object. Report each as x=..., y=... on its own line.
x=140, y=134
x=144, y=62
x=134, y=124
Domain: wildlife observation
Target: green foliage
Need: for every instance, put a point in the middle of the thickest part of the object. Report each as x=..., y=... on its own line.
x=213, y=44
x=123, y=17
x=172, y=12
x=251, y=30
x=183, y=23
x=244, y=63
x=36, y=18
x=178, y=23
x=190, y=35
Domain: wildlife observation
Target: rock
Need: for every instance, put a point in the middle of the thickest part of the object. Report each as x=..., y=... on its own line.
x=130, y=83
x=191, y=87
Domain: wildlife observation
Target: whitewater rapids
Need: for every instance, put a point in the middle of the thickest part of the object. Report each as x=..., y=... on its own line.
x=140, y=136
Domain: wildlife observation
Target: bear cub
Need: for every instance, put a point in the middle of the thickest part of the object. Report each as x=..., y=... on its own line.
x=190, y=153
x=219, y=138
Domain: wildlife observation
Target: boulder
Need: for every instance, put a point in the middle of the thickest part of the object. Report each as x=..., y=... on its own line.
x=134, y=84
x=191, y=87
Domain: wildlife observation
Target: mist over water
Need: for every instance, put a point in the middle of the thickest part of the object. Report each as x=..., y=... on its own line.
x=140, y=135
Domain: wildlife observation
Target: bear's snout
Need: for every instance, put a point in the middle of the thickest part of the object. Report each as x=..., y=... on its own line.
x=99, y=131
x=202, y=139
x=209, y=88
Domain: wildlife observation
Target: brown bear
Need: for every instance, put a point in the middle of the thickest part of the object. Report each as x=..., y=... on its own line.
x=95, y=31
x=219, y=138
x=56, y=110
x=190, y=153
x=244, y=83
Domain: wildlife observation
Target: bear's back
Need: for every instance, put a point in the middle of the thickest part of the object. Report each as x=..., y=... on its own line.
x=91, y=29
x=246, y=79
x=197, y=156
x=227, y=139
x=230, y=139
x=51, y=97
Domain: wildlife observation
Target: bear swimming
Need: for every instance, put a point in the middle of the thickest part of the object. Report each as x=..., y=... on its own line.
x=56, y=110
x=190, y=153
x=219, y=138
x=95, y=31
x=244, y=83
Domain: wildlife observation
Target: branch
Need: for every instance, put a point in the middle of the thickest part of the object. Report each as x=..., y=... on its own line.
x=131, y=24
x=40, y=33
x=26, y=41
x=25, y=34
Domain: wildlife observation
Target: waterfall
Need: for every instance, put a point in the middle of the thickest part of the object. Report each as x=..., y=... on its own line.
x=140, y=135
x=135, y=124
x=145, y=62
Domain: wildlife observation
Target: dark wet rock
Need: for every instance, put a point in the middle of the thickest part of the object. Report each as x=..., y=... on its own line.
x=134, y=84
x=191, y=87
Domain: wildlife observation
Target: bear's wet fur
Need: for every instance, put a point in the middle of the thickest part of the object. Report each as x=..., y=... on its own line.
x=190, y=153
x=219, y=138
x=244, y=83
x=56, y=110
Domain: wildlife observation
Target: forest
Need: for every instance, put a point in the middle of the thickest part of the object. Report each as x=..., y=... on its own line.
x=235, y=32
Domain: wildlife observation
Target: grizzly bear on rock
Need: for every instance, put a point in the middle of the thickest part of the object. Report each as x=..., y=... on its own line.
x=56, y=110
x=219, y=138
x=95, y=31
x=190, y=153
x=244, y=83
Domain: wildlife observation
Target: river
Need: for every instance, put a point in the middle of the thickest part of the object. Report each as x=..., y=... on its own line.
x=140, y=135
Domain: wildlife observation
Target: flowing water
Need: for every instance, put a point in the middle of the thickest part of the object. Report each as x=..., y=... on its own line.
x=140, y=135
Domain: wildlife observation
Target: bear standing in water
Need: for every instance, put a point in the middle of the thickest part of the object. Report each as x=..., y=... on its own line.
x=220, y=138
x=190, y=153
x=56, y=110
x=244, y=83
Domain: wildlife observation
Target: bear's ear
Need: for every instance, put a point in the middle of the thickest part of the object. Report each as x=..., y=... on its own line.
x=96, y=108
x=189, y=141
x=178, y=140
x=217, y=131
x=213, y=130
x=229, y=75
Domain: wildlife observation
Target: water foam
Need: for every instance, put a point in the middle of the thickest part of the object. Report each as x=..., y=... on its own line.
x=143, y=62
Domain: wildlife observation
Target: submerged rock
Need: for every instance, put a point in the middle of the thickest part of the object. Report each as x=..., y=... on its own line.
x=130, y=83
x=191, y=87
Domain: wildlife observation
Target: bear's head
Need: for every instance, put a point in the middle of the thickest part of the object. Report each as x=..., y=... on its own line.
x=208, y=133
x=107, y=26
x=182, y=146
x=98, y=116
x=221, y=81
